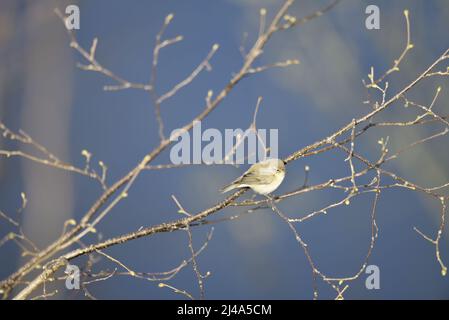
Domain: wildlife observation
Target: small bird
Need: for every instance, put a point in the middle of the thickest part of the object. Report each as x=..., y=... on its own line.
x=263, y=177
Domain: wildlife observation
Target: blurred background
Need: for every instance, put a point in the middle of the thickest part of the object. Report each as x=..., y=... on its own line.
x=255, y=257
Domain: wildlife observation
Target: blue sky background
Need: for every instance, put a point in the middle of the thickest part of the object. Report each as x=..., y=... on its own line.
x=256, y=257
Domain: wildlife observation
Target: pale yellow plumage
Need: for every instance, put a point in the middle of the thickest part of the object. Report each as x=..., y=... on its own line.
x=263, y=177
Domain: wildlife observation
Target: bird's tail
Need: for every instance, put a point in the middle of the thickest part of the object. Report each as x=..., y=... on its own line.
x=227, y=188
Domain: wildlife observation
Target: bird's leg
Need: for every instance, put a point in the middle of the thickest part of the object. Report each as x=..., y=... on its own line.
x=270, y=199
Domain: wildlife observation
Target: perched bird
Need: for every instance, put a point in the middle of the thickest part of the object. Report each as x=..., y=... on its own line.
x=263, y=177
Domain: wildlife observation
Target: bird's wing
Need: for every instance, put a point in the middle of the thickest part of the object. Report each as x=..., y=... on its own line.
x=251, y=178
